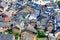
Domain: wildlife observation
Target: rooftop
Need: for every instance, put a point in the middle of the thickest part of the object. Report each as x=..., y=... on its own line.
x=6, y=37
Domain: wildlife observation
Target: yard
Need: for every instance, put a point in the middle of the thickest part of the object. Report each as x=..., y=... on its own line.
x=41, y=38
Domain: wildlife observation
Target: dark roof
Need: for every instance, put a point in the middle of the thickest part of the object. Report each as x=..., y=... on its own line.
x=1, y=7
x=57, y=29
x=22, y=13
x=0, y=1
x=3, y=15
x=0, y=11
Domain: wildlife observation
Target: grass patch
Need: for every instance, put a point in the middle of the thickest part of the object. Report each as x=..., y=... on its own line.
x=40, y=38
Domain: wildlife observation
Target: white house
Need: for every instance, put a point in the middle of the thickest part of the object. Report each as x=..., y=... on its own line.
x=43, y=2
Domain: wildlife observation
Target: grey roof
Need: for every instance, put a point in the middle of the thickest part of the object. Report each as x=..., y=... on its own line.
x=22, y=13
x=33, y=20
x=5, y=24
x=1, y=19
x=6, y=37
x=31, y=30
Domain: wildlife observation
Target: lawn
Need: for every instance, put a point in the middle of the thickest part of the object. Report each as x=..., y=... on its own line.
x=41, y=38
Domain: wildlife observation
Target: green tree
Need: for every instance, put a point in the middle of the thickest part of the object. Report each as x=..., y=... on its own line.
x=41, y=34
x=16, y=32
x=9, y=31
x=59, y=3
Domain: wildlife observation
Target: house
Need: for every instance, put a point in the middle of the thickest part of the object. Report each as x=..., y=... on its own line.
x=4, y=26
x=28, y=36
x=33, y=5
x=4, y=17
x=57, y=33
x=27, y=9
x=11, y=12
x=17, y=6
x=44, y=21
x=1, y=19
x=24, y=13
x=43, y=2
x=10, y=0
x=1, y=7
x=7, y=37
x=58, y=20
x=32, y=17
x=50, y=22
x=57, y=23
x=3, y=3
x=50, y=9
x=30, y=32
x=41, y=28
x=22, y=2
x=0, y=1
x=57, y=10
x=18, y=17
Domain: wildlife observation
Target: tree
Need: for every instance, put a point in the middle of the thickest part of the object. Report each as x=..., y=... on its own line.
x=16, y=32
x=9, y=31
x=59, y=3
x=41, y=34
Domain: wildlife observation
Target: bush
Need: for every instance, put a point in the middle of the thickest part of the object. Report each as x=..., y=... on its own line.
x=59, y=3
x=41, y=34
x=15, y=32
x=9, y=31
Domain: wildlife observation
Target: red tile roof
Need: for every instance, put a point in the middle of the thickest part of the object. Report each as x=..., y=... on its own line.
x=7, y=19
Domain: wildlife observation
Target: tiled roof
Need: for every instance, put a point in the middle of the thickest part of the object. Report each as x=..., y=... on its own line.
x=7, y=19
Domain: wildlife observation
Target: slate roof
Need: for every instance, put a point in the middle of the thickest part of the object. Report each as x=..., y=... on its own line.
x=30, y=30
x=6, y=37
x=5, y=24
